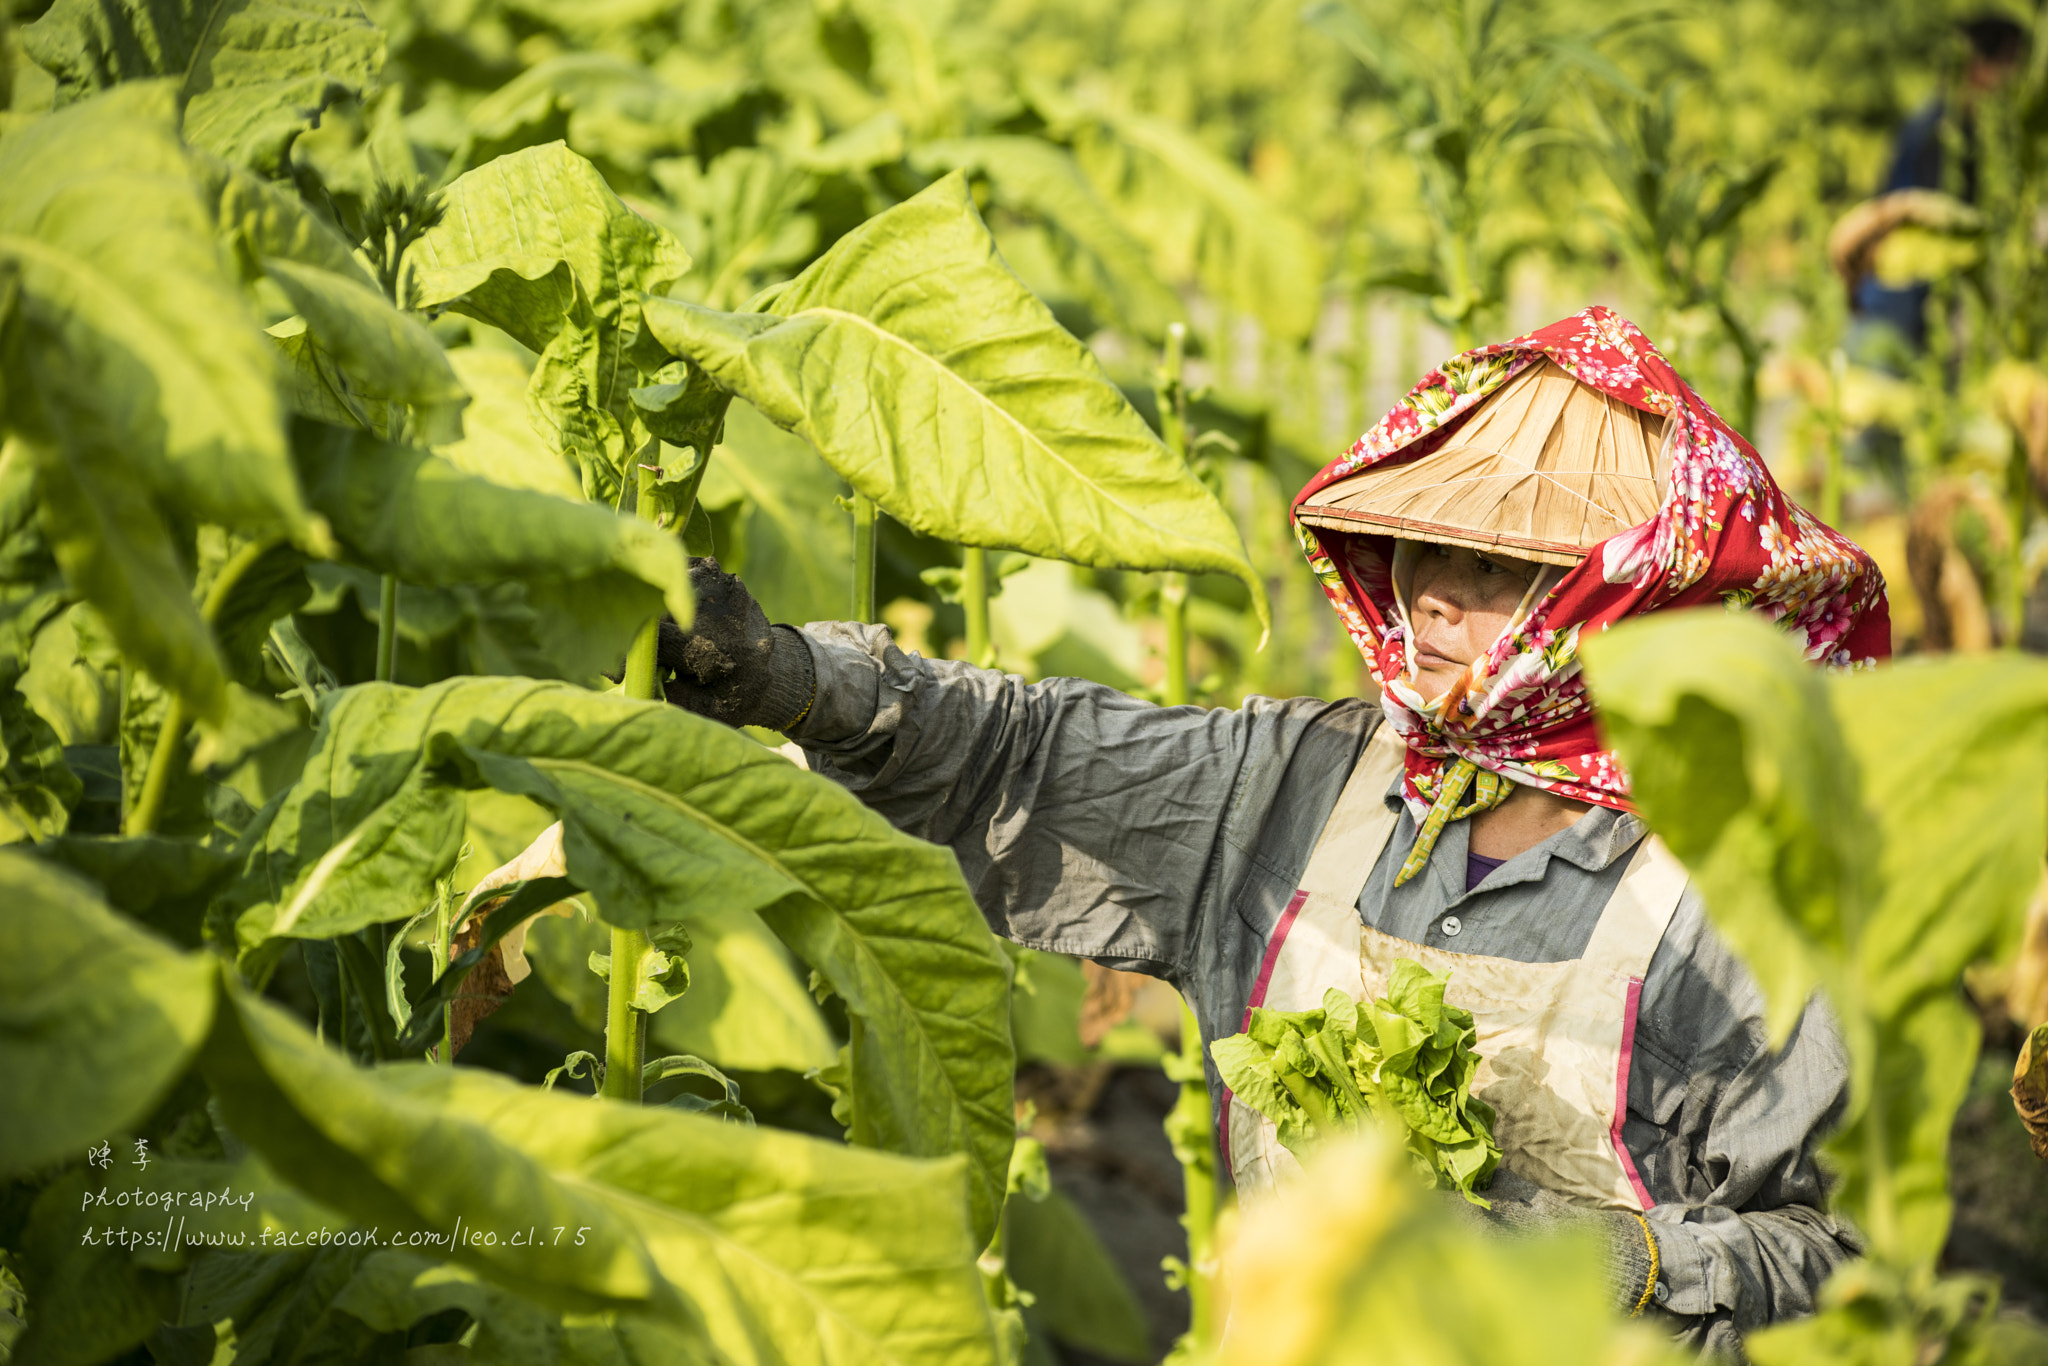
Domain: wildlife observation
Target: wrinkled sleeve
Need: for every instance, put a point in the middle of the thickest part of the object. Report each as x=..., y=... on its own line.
x=1086, y=821
x=1726, y=1135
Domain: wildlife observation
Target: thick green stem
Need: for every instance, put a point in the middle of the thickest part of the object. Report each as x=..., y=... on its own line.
x=387, y=629
x=625, y=1028
x=1173, y=609
x=443, y=950
x=625, y=1032
x=974, y=600
x=641, y=661
x=156, y=782
x=1191, y=1130
x=170, y=738
x=865, y=519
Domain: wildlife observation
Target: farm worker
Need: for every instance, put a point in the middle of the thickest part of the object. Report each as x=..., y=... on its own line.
x=1467, y=815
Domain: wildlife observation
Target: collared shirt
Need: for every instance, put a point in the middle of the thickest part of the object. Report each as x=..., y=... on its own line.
x=1169, y=840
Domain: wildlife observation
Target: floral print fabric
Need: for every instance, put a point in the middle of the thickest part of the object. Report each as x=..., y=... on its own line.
x=1726, y=535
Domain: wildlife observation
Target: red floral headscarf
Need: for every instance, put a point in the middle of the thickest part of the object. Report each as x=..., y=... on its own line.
x=1725, y=535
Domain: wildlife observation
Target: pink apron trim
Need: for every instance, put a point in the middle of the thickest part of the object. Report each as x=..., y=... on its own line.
x=1280, y=929
x=1628, y=1042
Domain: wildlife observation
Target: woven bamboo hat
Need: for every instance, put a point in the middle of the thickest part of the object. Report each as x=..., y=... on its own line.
x=1545, y=468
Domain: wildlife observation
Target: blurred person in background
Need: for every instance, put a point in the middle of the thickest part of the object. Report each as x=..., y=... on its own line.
x=1937, y=150
x=1466, y=814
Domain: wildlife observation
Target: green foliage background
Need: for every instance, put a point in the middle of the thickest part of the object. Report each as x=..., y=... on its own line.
x=337, y=343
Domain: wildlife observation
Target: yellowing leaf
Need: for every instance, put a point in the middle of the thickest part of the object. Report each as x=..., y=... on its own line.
x=930, y=378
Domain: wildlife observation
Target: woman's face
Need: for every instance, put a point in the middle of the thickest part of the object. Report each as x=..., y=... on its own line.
x=1459, y=602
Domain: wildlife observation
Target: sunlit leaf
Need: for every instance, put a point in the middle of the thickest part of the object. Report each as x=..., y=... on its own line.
x=141, y=381
x=930, y=378
x=536, y=244
x=737, y=1237
x=250, y=76
x=1837, y=848
x=669, y=817
x=404, y=511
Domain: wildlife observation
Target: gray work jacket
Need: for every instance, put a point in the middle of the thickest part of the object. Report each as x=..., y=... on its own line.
x=1168, y=841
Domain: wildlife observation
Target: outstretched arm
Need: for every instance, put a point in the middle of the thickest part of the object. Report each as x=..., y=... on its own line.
x=1086, y=821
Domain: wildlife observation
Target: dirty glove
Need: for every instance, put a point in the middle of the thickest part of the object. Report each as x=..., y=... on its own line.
x=730, y=664
x=1523, y=1208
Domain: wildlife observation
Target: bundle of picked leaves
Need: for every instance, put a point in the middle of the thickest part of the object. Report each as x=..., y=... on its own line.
x=1405, y=1059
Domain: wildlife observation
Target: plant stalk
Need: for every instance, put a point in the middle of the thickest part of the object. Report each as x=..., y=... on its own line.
x=974, y=600
x=1173, y=609
x=387, y=628
x=443, y=950
x=2019, y=507
x=625, y=1032
x=1190, y=1127
x=625, y=1027
x=1173, y=586
x=865, y=519
x=156, y=782
x=170, y=738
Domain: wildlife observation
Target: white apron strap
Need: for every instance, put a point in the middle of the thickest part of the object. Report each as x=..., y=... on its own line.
x=1636, y=916
x=1359, y=824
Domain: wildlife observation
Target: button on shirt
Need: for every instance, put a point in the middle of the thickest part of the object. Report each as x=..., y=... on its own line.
x=1168, y=840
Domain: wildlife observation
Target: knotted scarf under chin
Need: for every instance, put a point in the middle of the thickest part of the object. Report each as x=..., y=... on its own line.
x=1489, y=791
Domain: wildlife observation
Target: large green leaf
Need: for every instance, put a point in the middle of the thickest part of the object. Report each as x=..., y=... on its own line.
x=250, y=76
x=1738, y=759
x=760, y=1245
x=358, y=352
x=930, y=378
x=746, y=1007
x=381, y=354
x=669, y=817
x=1358, y=1263
x=96, y=1296
x=1960, y=818
x=404, y=511
x=1111, y=268
x=536, y=243
x=498, y=440
x=1838, y=847
x=165, y=883
x=262, y=220
x=97, y=1017
x=138, y=379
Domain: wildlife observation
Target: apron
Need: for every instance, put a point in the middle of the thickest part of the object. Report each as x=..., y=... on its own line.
x=1554, y=1038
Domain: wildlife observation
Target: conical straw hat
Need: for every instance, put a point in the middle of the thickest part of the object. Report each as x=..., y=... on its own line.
x=1544, y=469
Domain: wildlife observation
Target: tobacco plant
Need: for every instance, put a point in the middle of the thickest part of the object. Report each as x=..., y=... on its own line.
x=1841, y=851
x=226, y=393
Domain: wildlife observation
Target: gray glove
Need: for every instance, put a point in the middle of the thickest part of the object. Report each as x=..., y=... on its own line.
x=1522, y=1208
x=731, y=665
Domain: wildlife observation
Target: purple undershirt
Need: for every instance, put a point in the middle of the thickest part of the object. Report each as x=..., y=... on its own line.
x=1478, y=868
